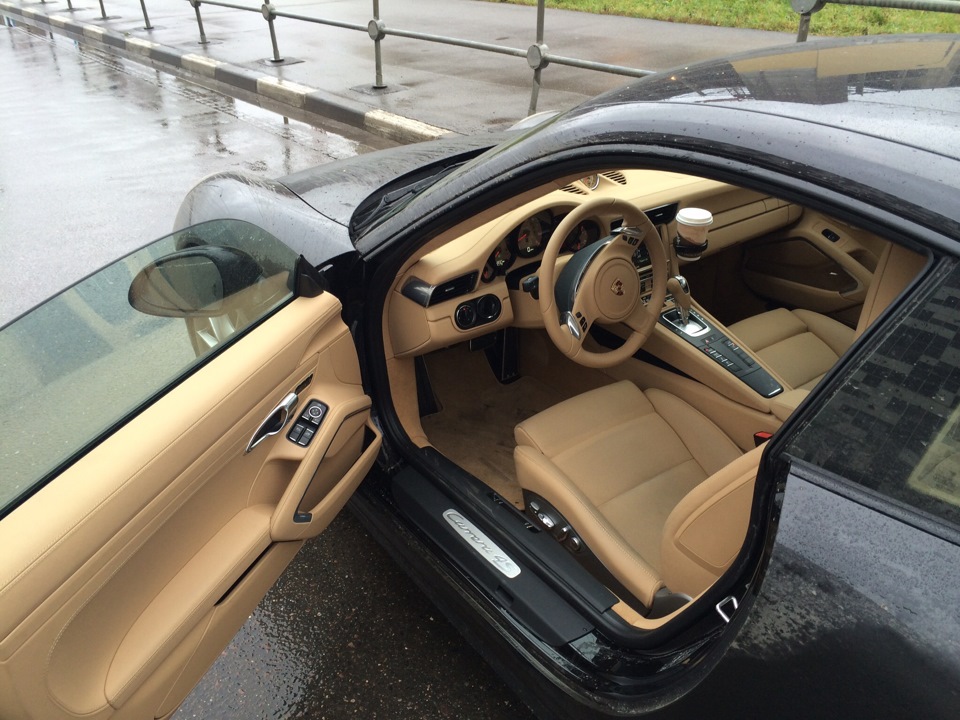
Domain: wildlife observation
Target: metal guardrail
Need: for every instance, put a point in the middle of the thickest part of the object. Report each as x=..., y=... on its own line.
x=538, y=55
x=807, y=8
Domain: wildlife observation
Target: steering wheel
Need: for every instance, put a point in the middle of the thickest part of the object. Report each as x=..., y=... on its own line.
x=600, y=284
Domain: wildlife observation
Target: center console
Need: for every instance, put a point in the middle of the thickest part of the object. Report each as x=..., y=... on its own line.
x=715, y=344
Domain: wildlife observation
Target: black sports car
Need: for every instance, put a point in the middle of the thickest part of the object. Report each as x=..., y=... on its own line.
x=657, y=399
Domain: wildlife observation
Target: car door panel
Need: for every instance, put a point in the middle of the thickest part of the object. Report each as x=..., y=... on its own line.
x=818, y=264
x=124, y=577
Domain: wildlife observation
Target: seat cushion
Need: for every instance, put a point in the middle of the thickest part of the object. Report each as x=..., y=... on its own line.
x=615, y=462
x=800, y=346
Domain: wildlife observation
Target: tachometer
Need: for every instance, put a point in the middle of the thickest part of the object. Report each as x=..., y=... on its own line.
x=582, y=235
x=532, y=233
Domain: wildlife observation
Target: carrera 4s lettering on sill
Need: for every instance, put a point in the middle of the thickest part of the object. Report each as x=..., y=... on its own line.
x=485, y=547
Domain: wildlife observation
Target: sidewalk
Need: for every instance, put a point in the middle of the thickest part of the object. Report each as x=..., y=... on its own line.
x=431, y=89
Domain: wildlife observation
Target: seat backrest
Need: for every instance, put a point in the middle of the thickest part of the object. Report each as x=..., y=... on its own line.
x=896, y=268
x=706, y=530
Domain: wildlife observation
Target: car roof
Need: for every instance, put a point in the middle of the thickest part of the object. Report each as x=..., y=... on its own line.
x=902, y=89
x=876, y=120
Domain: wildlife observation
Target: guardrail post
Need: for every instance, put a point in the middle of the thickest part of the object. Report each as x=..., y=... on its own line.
x=806, y=8
x=537, y=58
x=196, y=8
x=377, y=30
x=146, y=18
x=269, y=13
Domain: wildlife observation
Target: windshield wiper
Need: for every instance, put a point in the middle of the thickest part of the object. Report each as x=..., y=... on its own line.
x=388, y=200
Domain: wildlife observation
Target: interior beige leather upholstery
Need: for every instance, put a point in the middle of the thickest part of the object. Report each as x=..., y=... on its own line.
x=706, y=530
x=123, y=578
x=617, y=462
x=896, y=267
x=799, y=345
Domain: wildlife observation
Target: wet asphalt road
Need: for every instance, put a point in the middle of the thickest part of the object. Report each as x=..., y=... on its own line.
x=95, y=155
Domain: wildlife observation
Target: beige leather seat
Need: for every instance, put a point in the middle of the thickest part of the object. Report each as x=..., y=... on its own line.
x=657, y=491
x=798, y=345
x=801, y=346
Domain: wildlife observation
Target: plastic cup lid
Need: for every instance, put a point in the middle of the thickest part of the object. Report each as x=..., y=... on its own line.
x=695, y=217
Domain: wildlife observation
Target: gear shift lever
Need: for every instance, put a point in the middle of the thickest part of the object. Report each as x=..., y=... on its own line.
x=680, y=289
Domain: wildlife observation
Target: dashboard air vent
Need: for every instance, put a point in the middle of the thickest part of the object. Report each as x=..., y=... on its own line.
x=575, y=189
x=615, y=175
x=426, y=295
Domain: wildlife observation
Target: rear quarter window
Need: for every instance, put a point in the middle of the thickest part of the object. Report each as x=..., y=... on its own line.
x=893, y=426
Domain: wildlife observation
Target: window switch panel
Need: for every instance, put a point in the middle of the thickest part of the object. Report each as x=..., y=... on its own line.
x=307, y=424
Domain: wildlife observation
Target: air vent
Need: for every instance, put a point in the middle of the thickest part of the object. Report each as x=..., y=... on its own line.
x=427, y=295
x=453, y=288
x=575, y=189
x=615, y=175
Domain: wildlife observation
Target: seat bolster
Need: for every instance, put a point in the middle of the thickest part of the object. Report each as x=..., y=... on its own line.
x=766, y=329
x=836, y=335
x=705, y=531
x=707, y=443
x=538, y=474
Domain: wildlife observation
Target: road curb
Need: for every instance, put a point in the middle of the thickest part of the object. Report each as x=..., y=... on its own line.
x=277, y=92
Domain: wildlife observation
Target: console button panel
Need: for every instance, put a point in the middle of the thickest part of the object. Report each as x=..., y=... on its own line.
x=727, y=354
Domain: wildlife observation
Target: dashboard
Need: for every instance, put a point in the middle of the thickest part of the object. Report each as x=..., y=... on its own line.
x=470, y=280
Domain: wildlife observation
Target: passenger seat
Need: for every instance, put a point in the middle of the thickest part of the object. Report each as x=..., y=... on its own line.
x=800, y=346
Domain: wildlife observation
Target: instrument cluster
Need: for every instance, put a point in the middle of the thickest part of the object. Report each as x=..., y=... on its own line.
x=530, y=237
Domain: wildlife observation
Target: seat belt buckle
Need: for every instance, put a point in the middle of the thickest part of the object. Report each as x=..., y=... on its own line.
x=759, y=438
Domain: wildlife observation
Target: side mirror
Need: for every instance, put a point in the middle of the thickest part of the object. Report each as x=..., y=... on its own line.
x=193, y=282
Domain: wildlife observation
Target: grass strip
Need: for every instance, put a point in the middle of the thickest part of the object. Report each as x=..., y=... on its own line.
x=833, y=20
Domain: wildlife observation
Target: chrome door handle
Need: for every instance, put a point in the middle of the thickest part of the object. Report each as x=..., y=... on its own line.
x=274, y=422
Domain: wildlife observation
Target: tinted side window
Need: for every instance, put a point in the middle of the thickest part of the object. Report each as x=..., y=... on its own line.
x=894, y=424
x=87, y=359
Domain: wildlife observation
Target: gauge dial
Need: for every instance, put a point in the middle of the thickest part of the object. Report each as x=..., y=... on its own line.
x=591, y=181
x=489, y=271
x=582, y=235
x=532, y=233
x=502, y=257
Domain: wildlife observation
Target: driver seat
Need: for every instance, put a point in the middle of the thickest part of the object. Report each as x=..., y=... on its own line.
x=657, y=492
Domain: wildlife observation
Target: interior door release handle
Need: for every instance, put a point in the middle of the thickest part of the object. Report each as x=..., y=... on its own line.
x=274, y=422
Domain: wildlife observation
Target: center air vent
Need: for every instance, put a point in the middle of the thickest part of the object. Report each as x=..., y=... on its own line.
x=575, y=189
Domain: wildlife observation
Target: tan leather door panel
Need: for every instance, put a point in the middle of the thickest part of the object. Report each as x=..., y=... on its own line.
x=123, y=578
x=818, y=265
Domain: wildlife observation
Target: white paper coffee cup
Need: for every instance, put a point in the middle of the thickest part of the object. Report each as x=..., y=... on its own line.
x=692, y=225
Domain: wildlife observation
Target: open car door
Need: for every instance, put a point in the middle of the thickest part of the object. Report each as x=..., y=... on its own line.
x=174, y=427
